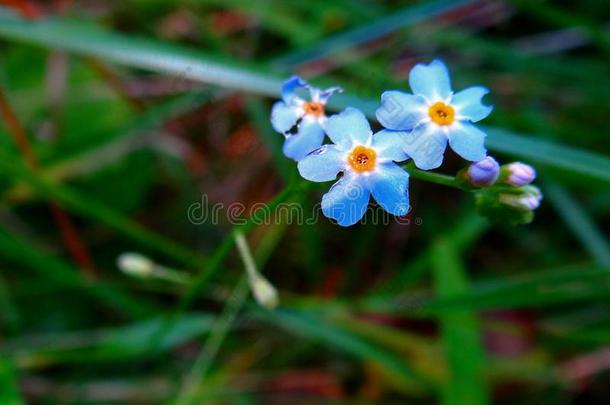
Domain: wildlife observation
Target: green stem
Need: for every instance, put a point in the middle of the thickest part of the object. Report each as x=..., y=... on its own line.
x=436, y=178
x=212, y=345
x=224, y=248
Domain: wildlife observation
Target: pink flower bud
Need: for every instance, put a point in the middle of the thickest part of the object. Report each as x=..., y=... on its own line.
x=519, y=174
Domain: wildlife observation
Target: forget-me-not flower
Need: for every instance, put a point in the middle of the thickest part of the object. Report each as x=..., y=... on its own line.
x=433, y=115
x=307, y=117
x=367, y=164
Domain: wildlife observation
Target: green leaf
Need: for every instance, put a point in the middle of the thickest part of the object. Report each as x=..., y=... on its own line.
x=9, y=392
x=461, y=334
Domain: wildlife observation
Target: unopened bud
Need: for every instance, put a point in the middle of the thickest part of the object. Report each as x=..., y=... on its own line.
x=135, y=264
x=528, y=200
x=527, y=203
x=518, y=174
x=483, y=173
x=264, y=292
x=507, y=205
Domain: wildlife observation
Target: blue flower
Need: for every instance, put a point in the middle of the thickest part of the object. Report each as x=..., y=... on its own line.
x=307, y=117
x=433, y=115
x=367, y=164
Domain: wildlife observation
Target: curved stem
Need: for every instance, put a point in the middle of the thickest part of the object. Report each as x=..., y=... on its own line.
x=437, y=178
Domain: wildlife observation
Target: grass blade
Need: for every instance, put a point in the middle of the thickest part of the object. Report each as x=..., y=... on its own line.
x=380, y=28
x=460, y=333
x=550, y=154
x=92, y=40
x=61, y=273
x=579, y=222
x=317, y=329
x=462, y=235
x=9, y=392
x=259, y=115
x=118, y=145
x=580, y=283
x=104, y=345
x=66, y=197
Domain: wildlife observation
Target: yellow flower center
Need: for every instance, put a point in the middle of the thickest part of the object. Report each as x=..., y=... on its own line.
x=362, y=159
x=441, y=113
x=314, y=108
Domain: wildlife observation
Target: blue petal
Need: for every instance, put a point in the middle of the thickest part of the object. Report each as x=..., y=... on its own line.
x=468, y=103
x=323, y=164
x=346, y=201
x=348, y=127
x=389, y=145
x=309, y=138
x=389, y=185
x=400, y=111
x=468, y=141
x=426, y=145
x=290, y=87
x=431, y=81
x=283, y=117
x=323, y=95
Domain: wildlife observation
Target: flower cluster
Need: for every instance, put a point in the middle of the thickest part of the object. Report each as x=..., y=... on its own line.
x=418, y=126
x=506, y=195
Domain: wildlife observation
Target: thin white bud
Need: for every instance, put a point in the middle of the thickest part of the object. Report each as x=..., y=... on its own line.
x=135, y=264
x=264, y=292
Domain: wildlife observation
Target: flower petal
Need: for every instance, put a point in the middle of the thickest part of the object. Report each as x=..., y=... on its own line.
x=389, y=185
x=309, y=138
x=468, y=141
x=283, y=117
x=348, y=127
x=431, y=81
x=401, y=111
x=290, y=87
x=389, y=145
x=346, y=201
x=323, y=95
x=323, y=164
x=469, y=105
x=426, y=145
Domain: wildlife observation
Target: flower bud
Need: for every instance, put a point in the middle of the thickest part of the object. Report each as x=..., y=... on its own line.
x=508, y=206
x=264, y=292
x=518, y=174
x=483, y=173
x=525, y=202
x=135, y=264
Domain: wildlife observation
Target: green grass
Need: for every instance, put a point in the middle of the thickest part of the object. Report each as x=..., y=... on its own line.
x=158, y=103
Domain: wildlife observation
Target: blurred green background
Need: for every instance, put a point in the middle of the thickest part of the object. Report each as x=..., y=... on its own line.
x=118, y=116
